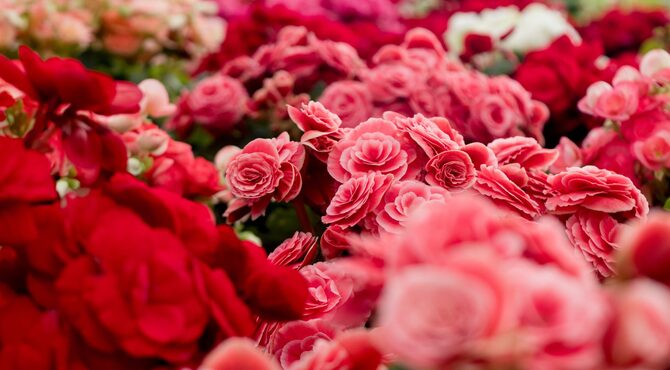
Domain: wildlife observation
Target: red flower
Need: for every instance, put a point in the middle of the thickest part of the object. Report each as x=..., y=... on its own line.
x=25, y=179
x=66, y=81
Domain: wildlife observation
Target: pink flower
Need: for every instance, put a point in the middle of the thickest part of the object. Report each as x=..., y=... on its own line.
x=265, y=170
x=594, y=235
x=388, y=82
x=561, y=318
x=340, y=56
x=616, y=103
x=224, y=156
x=494, y=114
x=218, y=103
x=402, y=199
x=320, y=127
x=373, y=146
x=656, y=64
x=645, y=248
x=297, y=338
x=452, y=170
x=352, y=349
x=297, y=251
x=595, y=189
x=325, y=293
x=334, y=241
x=432, y=135
x=525, y=151
x=569, y=155
x=238, y=353
x=356, y=198
x=430, y=315
x=654, y=152
x=350, y=100
x=608, y=150
x=639, y=334
x=499, y=185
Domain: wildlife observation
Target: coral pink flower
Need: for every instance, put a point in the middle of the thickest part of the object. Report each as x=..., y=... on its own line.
x=616, y=103
x=349, y=350
x=430, y=315
x=431, y=135
x=297, y=251
x=356, y=198
x=452, y=170
x=639, y=334
x=402, y=199
x=320, y=127
x=326, y=293
x=569, y=155
x=238, y=353
x=388, y=82
x=595, y=189
x=525, y=151
x=350, y=100
x=295, y=338
x=499, y=185
x=373, y=146
x=594, y=235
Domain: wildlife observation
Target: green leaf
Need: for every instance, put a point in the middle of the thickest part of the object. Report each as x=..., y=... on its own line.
x=666, y=206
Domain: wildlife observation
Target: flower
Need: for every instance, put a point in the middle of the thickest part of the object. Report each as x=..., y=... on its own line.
x=350, y=100
x=499, y=185
x=594, y=234
x=654, y=152
x=373, y=146
x=452, y=170
x=292, y=340
x=645, y=248
x=524, y=151
x=217, y=102
x=402, y=199
x=616, y=103
x=569, y=155
x=595, y=189
x=265, y=170
x=352, y=349
x=356, y=198
x=238, y=353
x=297, y=251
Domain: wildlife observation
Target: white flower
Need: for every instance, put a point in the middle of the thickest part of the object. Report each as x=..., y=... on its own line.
x=536, y=28
x=491, y=22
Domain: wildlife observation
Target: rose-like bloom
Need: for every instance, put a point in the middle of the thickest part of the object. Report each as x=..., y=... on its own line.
x=429, y=315
x=320, y=127
x=556, y=310
x=297, y=251
x=504, y=187
x=25, y=179
x=608, y=150
x=494, y=113
x=616, y=103
x=236, y=353
x=525, y=151
x=431, y=135
x=339, y=56
x=569, y=155
x=594, y=234
x=402, y=199
x=356, y=198
x=326, y=293
x=645, y=248
x=217, y=102
x=334, y=241
x=388, y=82
x=638, y=334
x=595, y=189
x=265, y=170
x=654, y=152
x=452, y=170
x=375, y=145
x=350, y=100
x=352, y=349
x=295, y=338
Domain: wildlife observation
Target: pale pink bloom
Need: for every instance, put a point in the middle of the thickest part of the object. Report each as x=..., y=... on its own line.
x=616, y=103
x=224, y=156
x=373, y=146
x=402, y=199
x=654, y=152
x=350, y=100
x=639, y=333
x=356, y=198
x=555, y=310
x=297, y=338
x=595, y=189
x=525, y=151
x=569, y=155
x=297, y=251
x=656, y=64
x=155, y=101
x=431, y=315
x=237, y=354
x=452, y=170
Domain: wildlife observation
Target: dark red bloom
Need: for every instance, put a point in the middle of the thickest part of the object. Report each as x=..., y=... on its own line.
x=476, y=44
